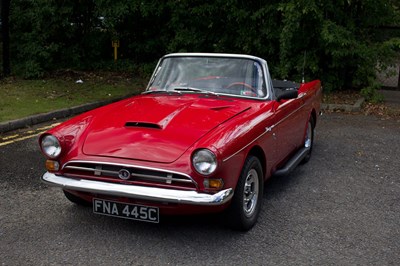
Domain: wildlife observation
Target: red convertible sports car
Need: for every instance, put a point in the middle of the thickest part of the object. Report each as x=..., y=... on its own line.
x=203, y=137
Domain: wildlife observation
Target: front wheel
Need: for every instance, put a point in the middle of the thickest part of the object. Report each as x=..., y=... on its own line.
x=247, y=199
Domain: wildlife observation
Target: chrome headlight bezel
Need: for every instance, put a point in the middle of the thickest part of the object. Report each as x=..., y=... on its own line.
x=50, y=146
x=204, y=161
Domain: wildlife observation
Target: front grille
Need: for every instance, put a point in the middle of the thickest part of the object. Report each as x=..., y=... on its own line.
x=128, y=174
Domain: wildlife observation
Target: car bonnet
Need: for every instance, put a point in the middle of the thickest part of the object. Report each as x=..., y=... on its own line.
x=157, y=128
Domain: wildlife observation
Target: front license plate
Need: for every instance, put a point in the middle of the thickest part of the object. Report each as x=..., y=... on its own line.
x=127, y=211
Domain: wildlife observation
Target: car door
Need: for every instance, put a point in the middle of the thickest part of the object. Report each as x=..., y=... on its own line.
x=289, y=125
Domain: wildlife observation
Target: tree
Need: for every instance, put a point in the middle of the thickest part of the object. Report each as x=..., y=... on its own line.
x=5, y=33
x=342, y=39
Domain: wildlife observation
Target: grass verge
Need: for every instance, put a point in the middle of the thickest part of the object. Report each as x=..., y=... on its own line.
x=21, y=98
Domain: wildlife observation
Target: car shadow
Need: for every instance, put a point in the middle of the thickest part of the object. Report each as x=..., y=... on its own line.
x=274, y=189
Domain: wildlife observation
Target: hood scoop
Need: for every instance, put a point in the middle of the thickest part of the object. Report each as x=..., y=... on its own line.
x=142, y=125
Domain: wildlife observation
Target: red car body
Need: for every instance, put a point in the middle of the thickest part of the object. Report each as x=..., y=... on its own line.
x=144, y=150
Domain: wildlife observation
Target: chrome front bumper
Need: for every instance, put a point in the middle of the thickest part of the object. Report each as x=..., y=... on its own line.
x=139, y=192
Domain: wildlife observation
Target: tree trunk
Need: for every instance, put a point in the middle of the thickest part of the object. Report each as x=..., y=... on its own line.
x=5, y=32
x=398, y=81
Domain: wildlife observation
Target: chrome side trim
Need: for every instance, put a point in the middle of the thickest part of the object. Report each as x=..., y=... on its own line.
x=289, y=115
x=139, y=192
x=285, y=103
x=301, y=95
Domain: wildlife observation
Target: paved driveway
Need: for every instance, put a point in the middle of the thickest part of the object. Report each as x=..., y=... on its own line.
x=342, y=208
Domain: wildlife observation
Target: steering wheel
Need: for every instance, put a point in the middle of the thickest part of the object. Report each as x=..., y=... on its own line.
x=243, y=89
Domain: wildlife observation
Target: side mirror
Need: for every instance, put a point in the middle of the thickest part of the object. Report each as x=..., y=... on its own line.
x=287, y=95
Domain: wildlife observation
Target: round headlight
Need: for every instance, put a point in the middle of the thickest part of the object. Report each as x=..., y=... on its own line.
x=204, y=161
x=51, y=146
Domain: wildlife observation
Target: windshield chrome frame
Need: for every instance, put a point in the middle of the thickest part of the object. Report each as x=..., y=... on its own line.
x=262, y=62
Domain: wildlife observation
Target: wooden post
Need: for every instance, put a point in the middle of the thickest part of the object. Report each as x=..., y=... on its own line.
x=115, y=44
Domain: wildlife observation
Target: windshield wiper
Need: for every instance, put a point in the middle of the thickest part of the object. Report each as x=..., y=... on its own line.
x=161, y=91
x=190, y=89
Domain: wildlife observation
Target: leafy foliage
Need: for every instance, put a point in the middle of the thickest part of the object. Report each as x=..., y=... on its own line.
x=343, y=41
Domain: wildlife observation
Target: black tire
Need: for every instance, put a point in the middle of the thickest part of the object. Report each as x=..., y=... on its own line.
x=74, y=199
x=242, y=216
x=309, y=139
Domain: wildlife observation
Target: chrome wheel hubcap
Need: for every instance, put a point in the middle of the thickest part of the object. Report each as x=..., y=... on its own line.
x=250, y=193
x=309, y=133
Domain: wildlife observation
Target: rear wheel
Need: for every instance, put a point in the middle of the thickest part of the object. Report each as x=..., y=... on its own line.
x=247, y=199
x=78, y=201
x=309, y=139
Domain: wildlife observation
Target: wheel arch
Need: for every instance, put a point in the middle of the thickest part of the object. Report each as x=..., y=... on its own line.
x=258, y=152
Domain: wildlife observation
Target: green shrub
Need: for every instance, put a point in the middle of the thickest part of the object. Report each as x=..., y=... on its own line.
x=371, y=93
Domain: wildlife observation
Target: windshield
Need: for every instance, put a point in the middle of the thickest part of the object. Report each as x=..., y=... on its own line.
x=221, y=75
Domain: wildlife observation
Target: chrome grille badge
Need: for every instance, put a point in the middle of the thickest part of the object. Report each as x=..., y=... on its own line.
x=124, y=174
